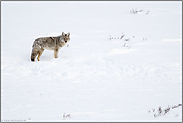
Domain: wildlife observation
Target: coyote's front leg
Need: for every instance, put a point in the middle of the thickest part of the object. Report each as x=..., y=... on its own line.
x=56, y=53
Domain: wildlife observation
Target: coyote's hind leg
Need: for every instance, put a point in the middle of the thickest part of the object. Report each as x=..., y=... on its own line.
x=39, y=54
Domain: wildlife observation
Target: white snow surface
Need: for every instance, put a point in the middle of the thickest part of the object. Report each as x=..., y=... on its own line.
x=95, y=78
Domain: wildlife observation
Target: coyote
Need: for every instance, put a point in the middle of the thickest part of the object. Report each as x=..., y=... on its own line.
x=49, y=43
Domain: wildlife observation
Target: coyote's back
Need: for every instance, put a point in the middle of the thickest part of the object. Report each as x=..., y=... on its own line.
x=49, y=43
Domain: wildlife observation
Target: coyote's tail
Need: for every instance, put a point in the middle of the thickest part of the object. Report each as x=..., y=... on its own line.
x=34, y=54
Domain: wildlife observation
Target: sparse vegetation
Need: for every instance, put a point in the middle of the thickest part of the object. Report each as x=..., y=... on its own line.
x=66, y=116
x=135, y=11
x=160, y=111
x=120, y=37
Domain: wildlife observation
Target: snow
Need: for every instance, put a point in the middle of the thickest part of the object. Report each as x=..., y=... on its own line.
x=94, y=78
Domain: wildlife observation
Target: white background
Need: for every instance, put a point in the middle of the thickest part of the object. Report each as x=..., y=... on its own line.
x=95, y=78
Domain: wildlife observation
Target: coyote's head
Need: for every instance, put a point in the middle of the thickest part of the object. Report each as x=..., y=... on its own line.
x=66, y=37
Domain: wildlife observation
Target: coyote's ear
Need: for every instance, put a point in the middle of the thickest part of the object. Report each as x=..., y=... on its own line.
x=68, y=33
x=63, y=33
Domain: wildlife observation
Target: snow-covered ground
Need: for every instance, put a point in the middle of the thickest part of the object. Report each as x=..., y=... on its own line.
x=95, y=78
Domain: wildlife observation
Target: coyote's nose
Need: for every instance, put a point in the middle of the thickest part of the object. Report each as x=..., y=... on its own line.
x=65, y=41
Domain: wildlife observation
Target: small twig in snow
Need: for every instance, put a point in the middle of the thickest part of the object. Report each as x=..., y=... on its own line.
x=127, y=39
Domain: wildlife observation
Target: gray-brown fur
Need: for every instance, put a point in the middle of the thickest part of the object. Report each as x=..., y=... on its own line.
x=50, y=43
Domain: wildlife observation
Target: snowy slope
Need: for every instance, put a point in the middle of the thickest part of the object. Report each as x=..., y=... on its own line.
x=95, y=78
